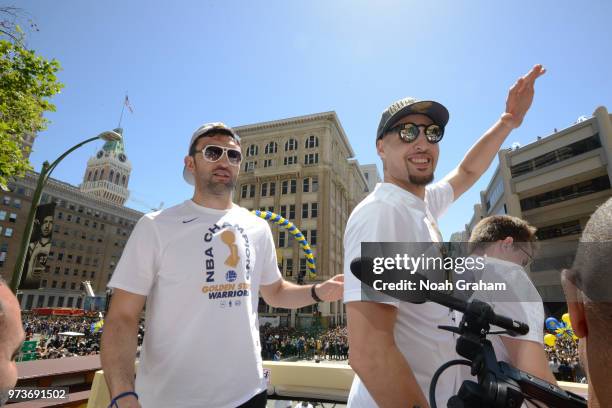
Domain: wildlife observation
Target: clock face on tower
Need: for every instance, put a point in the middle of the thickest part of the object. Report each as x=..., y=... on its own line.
x=122, y=157
x=100, y=153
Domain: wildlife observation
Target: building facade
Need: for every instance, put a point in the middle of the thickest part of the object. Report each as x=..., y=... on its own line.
x=303, y=169
x=90, y=229
x=555, y=183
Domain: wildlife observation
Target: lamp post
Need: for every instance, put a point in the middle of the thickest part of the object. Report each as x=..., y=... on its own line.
x=45, y=173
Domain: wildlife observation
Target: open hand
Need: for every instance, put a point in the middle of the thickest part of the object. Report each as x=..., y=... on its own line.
x=332, y=289
x=520, y=97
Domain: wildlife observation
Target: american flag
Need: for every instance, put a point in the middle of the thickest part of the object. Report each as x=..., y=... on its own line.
x=127, y=103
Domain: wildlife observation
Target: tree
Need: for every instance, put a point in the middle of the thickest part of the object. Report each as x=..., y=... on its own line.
x=27, y=81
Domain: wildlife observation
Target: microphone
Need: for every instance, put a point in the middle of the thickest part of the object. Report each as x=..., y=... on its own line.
x=406, y=287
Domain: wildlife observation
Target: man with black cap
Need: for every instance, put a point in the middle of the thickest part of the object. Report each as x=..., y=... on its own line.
x=200, y=266
x=396, y=347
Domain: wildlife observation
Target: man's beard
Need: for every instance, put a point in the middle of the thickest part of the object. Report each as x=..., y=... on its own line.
x=219, y=188
x=421, y=180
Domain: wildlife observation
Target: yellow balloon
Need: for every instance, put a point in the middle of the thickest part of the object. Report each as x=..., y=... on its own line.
x=550, y=339
x=566, y=318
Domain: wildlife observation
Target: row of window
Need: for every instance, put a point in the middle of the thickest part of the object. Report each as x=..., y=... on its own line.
x=117, y=177
x=15, y=202
x=268, y=189
x=81, y=209
x=51, y=302
x=284, y=238
x=556, y=156
x=43, y=284
x=309, y=159
x=288, y=211
x=566, y=193
x=287, y=268
x=292, y=144
x=75, y=272
x=12, y=217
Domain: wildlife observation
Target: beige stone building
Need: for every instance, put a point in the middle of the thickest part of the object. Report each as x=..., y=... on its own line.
x=303, y=169
x=91, y=227
x=555, y=183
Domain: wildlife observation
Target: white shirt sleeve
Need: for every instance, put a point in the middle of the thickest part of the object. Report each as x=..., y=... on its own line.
x=439, y=197
x=374, y=222
x=139, y=263
x=266, y=259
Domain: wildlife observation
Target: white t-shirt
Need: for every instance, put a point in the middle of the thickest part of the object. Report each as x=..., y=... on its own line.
x=521, y=301
x=200, y=269
x=392, y=214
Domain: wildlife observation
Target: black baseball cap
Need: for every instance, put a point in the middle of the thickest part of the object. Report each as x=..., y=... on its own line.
x=407, y=106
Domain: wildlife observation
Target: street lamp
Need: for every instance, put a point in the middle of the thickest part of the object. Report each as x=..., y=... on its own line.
x=45, y=173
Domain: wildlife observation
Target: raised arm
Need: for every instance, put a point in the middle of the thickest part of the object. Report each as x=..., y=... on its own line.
x=119, y=343
x=291, y=296
x=479, y=157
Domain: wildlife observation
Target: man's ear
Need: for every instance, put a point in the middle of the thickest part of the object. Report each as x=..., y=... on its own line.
x=575, y=305
x=380, y=148
x=190, y=163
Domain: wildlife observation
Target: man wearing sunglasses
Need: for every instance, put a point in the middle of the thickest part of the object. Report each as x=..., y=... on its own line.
x=200, y=266
x=508, y=245
x=396, y=347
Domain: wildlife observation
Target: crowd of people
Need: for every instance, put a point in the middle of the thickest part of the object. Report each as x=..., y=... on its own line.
x=564, y=362
x=279, y=343
x=47, y=331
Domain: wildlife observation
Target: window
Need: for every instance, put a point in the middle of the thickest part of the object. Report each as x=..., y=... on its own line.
x=8, y=232
x=252, y=150
x=271, y=148
x=559, y=230
x=6, y=200
x=314, y=210
x=305, y=210
x=92, y=274
x=2, y=215
x=43, y=283
x=250, y=166
x=311, y=158
x=64, y=285
x=302, y=266
x=289, y=160
x=268, y=163
x=264, y=189
x=563, y=153
x=281, y=239
x=272, y=189
x=60, y=256
x=566, y=193
x=290, y=145
x=66, y=271
x=292, y=212
x=283, y=211
x=78, y=220
x=69, y=217
x=244, y=190
x=313, y=237
x=13, y=217
x=289, y=267
x=57, y=270
x=312, y=142
x=306, y=185
x=72, y=287
x=17, y=203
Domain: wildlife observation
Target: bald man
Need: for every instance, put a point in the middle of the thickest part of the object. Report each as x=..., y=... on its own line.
x=588, y=289
x=11, y=337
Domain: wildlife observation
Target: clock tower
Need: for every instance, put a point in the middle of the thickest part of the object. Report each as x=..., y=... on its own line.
x=108, y=173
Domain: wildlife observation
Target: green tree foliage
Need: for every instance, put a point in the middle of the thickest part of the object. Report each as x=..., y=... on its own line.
x=27, y=82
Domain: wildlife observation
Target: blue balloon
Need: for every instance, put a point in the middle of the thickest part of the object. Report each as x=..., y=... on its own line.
x=552, y=323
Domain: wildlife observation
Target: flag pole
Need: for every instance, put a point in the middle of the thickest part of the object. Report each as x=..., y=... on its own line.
x=122, y=109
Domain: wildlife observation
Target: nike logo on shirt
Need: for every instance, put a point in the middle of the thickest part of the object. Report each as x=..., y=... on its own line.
x=186, y=221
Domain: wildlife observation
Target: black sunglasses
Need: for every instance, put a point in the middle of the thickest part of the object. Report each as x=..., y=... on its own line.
x=409, y=132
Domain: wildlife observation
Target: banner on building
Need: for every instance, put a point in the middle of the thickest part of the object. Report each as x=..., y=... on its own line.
x=38, y=248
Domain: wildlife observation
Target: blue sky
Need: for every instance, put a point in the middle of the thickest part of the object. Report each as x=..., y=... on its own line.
x=189, y=62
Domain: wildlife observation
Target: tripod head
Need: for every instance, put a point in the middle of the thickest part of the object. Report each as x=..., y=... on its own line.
x=499, y=385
